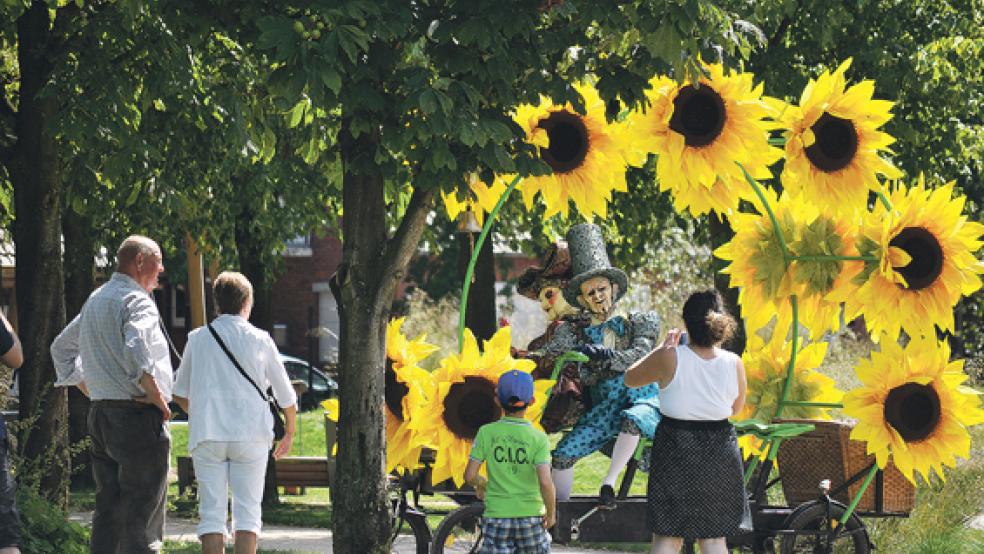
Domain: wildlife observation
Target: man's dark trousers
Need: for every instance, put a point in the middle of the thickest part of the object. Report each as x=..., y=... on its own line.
x=130, y=449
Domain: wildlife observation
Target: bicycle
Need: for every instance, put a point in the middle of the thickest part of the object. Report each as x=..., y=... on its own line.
x=405, y=512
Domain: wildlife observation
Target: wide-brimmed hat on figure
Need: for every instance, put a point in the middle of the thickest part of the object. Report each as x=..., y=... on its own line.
x=589, y=259
x=556, y=271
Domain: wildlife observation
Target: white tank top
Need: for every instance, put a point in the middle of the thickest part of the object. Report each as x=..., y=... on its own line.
x=701, y=389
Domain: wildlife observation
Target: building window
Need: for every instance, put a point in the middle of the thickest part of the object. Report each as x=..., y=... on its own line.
x=179, y=306
x=299, y=246
x=280, y=335
x=329, y=324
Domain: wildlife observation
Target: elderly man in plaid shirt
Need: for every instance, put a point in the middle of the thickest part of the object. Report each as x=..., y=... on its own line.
x=116, y=353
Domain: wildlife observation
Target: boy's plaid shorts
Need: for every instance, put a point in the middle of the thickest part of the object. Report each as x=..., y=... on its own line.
x=514, y=535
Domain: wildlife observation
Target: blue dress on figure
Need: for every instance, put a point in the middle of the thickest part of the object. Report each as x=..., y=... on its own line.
x=614, y=407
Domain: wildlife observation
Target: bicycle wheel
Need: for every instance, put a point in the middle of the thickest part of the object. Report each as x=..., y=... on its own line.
x=811, y=525
x=460, y=531
x=421, y=531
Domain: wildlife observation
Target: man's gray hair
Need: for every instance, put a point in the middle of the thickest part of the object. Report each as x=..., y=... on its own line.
x=132, y=246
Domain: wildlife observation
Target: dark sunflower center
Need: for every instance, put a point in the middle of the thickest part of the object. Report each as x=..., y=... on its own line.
x=926, y=253
x=568, y=141
x=913, y=410
x=836, y=143
x=394, y=391
x=469, y=405
x=698, y=115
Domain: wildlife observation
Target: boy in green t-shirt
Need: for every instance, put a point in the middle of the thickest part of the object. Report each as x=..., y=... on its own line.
x=519, y=493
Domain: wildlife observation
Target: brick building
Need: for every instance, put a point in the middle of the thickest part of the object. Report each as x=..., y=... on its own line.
x=302, y=300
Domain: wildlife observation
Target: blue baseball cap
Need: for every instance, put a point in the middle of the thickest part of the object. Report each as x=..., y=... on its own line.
x=515, y=389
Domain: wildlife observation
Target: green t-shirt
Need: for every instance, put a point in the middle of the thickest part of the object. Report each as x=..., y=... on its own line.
x=511, y=449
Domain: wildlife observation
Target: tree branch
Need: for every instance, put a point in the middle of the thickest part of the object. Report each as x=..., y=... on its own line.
x=402, y=246
x=784, y=25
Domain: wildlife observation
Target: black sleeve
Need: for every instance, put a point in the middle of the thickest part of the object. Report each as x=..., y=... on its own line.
x=6, y=339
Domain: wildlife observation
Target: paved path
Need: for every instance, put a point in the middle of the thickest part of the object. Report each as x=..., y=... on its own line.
x=292, y=539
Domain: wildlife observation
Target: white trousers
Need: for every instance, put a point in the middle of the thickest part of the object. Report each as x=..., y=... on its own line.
x=222, y=468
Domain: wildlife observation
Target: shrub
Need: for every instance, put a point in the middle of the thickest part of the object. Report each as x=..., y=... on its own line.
x=45, y=527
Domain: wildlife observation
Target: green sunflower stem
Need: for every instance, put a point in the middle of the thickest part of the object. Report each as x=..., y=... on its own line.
x=791, y=370
x=884, y=200
x=857, y=497
x=807, y=404
x=474, y=259
x=751, y=469
x=832, y=258
x=772, y=216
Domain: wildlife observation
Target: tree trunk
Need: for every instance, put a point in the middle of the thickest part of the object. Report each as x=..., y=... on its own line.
x=251, y=264
x=80, y=280
x=480, y=315
x=720, y=233
x=34, y=170
x=372, y=266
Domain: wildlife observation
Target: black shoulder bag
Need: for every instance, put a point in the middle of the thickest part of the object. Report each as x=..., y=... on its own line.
x=275, y=410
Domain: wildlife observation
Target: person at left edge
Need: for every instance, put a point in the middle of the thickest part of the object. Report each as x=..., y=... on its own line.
x=116, y=353
x=10, y=525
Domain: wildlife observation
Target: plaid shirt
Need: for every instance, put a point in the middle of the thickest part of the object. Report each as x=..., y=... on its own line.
x=113, y=342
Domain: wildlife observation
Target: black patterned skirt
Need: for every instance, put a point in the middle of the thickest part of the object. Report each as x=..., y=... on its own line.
x=696, y=488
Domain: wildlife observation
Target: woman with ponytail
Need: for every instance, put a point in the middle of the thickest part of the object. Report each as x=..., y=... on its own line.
x=696, y=490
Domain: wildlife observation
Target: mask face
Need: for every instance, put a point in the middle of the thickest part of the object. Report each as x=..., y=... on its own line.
x=553, y=304
x=596, y=295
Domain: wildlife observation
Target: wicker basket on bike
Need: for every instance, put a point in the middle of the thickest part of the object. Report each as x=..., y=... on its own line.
x=828, y=452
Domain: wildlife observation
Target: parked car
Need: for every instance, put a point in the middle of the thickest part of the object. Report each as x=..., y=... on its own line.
x=321, y=386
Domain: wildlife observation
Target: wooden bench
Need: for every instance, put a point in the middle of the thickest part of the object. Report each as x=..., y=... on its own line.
x=292, y=471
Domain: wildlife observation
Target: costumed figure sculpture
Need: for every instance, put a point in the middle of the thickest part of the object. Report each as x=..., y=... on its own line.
x=613, y=343
x=546, y=285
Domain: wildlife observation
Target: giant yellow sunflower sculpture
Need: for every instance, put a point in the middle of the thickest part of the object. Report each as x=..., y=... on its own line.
x=766, y=367
x=926, y=250
x=700, y=131
x=823, y=282
x=698, y=199
x=767, y=280
x=833, y=143
x=585, y=152
x=408, y=388
x=757, y=265
x=912, y=406
x=465, y=400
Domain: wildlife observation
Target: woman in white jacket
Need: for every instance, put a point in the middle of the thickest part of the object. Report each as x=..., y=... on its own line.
x=230, y=427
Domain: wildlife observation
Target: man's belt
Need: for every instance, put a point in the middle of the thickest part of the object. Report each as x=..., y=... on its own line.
x=122, y=404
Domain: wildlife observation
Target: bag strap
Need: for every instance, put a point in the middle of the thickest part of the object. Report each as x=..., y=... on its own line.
x=235, y=362
x=160, y=323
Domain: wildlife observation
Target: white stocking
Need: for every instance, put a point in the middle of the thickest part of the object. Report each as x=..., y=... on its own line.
x=666, y=545
x=713, y=546
x=563, y=482
x=625, y=446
